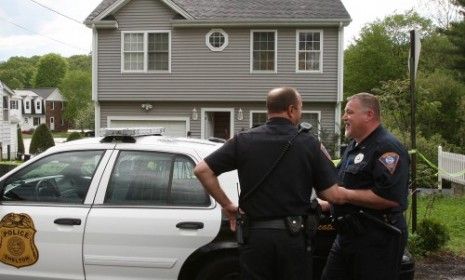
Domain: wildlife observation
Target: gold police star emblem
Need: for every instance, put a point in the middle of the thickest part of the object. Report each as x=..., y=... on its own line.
x=17, y=247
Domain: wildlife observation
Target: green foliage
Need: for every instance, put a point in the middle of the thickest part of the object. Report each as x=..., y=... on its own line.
x=455, y=35
x=80, y=63
x=430, y=236
x=381, y=52
x=73, y=136
x=20, y=141
x=41, y=140
x=17, y=72
x=50, y=71
x=77, y=90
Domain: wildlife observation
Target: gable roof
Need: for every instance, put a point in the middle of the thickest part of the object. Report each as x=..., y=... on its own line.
x=42, y=92
x=6, y=88
x=243, y=10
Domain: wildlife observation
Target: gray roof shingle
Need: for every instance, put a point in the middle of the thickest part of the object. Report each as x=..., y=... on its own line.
x=42, y=92
x=234, y=10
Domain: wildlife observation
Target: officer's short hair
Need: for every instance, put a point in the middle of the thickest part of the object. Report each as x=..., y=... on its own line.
x=279, y=99
x=367, y=100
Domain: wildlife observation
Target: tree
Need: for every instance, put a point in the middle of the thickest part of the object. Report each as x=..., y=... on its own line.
x=73, y=136
x=77, y=90
x=51, y=69
x=80, y=62
x=41, y=140
x=455, y=33
x=381, y=52
x=18, y=72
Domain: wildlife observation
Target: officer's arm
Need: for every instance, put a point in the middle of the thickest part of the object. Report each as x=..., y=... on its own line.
x=364, y=198
x=211, y=184
x=367, y=198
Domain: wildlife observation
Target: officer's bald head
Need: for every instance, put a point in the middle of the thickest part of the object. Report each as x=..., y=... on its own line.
x=279, y=99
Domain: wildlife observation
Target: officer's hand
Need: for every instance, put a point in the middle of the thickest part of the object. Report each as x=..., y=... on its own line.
x=230, y=211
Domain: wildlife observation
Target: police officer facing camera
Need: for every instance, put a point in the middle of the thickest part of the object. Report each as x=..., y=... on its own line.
x=278, y=166
x=372, y=234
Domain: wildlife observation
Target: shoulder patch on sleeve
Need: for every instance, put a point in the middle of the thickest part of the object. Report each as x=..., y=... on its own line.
x=390, y=160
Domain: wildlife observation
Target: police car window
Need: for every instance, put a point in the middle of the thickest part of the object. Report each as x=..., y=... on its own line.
x=150, y=178
x=59, y=178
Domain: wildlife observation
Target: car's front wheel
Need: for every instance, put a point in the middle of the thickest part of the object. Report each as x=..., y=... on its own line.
x=221, y=268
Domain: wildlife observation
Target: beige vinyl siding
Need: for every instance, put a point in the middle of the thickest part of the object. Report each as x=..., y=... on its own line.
x=184, y=109
x=199, y=74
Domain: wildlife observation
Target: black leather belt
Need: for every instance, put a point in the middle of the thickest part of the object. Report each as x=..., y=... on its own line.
x=268, y=224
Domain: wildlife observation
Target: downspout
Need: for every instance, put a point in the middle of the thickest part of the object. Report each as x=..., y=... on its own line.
x=340, y=85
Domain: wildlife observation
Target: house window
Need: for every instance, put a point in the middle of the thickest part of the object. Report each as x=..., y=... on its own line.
x=146, y=51
x=13, y=104
x=5, y=102
x=309, y=51
x=158, y=51
x=217, y=40
x=35, y=121
x=53, y=105
x=257, y=118
x=263, y=51
x=38, y=105
x=27, y=105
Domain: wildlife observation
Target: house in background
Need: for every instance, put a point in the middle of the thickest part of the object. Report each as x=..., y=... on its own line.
x=203, y=68
x=39, y=105
x=8, y=135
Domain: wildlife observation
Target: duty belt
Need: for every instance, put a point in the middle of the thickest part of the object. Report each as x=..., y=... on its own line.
x=268, y=224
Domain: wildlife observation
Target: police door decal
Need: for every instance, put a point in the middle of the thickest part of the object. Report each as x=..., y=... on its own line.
x=17, y=247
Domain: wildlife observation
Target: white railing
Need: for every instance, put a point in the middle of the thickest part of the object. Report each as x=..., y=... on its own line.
x=451, y=167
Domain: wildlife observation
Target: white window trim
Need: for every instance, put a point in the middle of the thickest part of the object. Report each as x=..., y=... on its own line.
x=202, y=119
x=226, y=40
x=298, y=31
x=275, y=51
x=145, y=70
x=38, y=106
x=255, y=112
x=53, y=105
x=132, y=118
x=52, y=118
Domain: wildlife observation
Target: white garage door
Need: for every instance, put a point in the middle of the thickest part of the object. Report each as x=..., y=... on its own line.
x=174, y=128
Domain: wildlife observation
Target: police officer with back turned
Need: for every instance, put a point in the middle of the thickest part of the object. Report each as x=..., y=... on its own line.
x=372, y=234
x=278, y=166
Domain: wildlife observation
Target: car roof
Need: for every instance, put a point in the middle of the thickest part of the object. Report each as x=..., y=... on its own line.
x=202, y=147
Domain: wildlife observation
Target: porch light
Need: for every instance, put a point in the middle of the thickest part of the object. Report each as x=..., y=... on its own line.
x=195, y=115
x=240, y=115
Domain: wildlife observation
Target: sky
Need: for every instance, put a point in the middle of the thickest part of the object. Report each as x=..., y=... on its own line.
x=42, y=31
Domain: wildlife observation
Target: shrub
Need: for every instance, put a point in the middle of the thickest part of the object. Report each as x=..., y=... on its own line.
x=20, y=141
x=73, y=136
x=41, y=140
x=430, y=237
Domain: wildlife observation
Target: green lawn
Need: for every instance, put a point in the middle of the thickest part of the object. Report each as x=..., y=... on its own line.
x=451, y=212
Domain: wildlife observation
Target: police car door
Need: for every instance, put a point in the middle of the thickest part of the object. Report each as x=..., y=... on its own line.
x=153, y=214
x=43, y=211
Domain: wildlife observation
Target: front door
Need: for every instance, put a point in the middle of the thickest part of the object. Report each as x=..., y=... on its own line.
x=217, y=123
x=52, y=123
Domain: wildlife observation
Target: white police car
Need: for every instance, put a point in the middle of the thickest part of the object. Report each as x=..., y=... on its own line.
x=124, y=206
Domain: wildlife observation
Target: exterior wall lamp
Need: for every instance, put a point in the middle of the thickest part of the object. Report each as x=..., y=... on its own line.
x=195, y=115
x=146, y=106
x=240, y=115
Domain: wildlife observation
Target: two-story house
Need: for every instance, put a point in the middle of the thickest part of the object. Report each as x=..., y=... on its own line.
x=203, y=68
x=35, y=106
x=8, y=136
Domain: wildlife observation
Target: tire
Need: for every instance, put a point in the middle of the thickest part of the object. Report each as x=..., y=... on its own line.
x=220, y=268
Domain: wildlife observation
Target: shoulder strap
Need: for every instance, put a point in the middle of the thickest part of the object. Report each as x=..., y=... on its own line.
x=303, y=127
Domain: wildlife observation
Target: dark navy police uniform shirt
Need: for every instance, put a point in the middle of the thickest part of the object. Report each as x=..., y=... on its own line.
x=287, y=190
x=380, y=163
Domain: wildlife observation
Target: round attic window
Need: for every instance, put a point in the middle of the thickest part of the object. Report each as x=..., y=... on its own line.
x=216, y=40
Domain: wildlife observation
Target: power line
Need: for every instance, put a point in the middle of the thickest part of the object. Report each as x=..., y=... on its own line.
x=48, y=37
x=55, y=11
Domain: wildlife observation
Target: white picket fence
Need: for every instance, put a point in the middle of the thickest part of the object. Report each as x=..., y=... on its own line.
x=451, y=167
